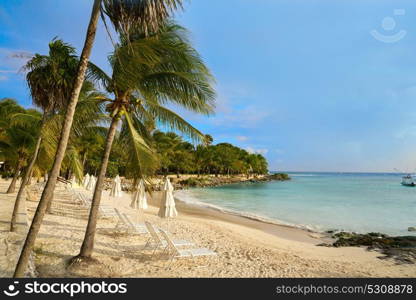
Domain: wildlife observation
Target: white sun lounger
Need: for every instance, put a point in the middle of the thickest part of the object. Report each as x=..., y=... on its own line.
x=125, y=221
x=104, y=210
x=174, y=252
x=137, y=227
x=39, y=187
x=155, y=242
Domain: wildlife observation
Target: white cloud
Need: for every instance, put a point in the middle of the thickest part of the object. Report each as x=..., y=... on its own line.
x=234, y=108
x=11, y=61
x=246, y=117
x=407, y=132
x=279, y=151
x=262, y=151
x=242, y=138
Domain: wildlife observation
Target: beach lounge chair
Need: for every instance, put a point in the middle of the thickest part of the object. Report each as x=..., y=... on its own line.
x=30, y=196
x=155, y=242
x=39, y=187
x=107, y=211
x=104, y=210
x=137, y=227
x=174, y=252
x=124, y=221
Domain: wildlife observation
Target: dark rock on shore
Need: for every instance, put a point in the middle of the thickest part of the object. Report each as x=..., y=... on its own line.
x=278, y=176
x=211, y=181
x=202, y=181
x=400, y=248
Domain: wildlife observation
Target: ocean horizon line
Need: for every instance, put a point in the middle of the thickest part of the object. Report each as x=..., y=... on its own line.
x=340, y=172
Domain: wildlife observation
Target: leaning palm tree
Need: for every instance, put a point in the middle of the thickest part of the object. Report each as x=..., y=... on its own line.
x=89, y=113
x=149, y=72
x=123, y=14
x=49, y=78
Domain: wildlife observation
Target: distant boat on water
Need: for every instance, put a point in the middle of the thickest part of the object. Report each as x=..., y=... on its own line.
x=408, y=180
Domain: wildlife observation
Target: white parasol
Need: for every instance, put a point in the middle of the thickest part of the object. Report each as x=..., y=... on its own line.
x=167, y=205
x=116, y=187
x=86, y=180
x=91, y=183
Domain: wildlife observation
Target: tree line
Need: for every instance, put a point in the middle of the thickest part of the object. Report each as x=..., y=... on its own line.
x=175, y=155
x=87, y=119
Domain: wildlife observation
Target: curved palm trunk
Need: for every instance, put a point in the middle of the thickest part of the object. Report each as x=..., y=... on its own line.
x=88, y=243
x=26, y=177
x=63, y=142
x=12, y=186
x=29, y=179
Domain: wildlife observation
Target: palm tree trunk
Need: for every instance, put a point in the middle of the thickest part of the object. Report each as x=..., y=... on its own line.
x=26, y=177
x=29, y=179
x=88, y=244
x=63, y=142
x=12, y=186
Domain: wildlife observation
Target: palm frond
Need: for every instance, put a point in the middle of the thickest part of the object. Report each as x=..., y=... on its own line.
x=73, y=163
x=175, y=122
x=50, y=77
x=141, y=158
x=95, y=74
x=25, y=119
x=145, y=15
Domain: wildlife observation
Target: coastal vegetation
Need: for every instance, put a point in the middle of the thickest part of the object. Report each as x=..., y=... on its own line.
x=107, y=124
x=148, y=72
x=173, y=154
x=144, y=17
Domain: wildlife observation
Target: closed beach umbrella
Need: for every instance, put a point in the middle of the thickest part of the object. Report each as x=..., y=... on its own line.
x=139, y=200
x=116, y=187
x=73, y=181
x=91, y=183
x=86, y=180
x=167, y=205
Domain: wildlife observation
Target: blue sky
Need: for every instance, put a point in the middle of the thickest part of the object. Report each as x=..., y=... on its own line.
x=302, y=81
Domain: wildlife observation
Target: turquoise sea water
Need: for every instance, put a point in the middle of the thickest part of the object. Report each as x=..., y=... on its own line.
x=321, y=201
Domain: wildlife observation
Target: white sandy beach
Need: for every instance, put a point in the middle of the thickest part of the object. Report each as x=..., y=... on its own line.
x=246, y=248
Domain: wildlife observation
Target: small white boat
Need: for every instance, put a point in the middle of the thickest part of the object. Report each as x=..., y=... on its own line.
x=408, y=180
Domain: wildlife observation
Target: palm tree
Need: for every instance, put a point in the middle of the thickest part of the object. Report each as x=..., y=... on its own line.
x=8, y=108
x=18, y=140
x=88, y=113
x=124, y=15
x=90, y=142
x=149, y=72
x=50, y=80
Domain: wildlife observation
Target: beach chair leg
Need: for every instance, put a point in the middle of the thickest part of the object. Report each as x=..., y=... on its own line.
x=116, y=226
x=171, y=258
x=155, y=249
x=147, y=243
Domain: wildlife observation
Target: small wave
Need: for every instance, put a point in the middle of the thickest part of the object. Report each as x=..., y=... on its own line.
x=187, y=197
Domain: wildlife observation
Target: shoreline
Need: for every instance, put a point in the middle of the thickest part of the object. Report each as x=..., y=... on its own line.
x=244, y=247
x=399, y=248
x=289, y=232
x=314, y=227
